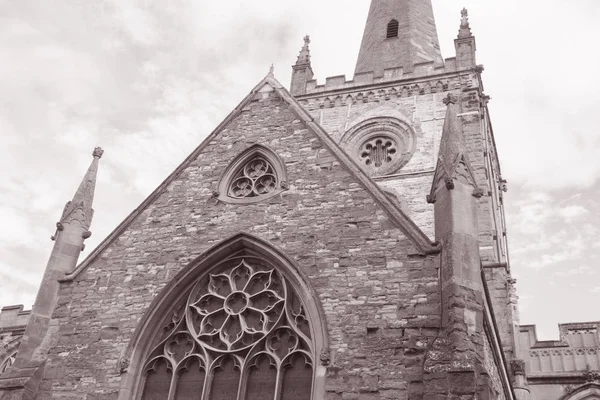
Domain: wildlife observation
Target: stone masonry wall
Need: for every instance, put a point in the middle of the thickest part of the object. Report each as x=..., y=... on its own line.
x=424, y=112
x=380, y=299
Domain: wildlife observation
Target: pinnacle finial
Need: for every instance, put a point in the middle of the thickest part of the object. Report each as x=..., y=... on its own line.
x=271, y=70
x=465, y=28
x=98, y=152
x=304, y=56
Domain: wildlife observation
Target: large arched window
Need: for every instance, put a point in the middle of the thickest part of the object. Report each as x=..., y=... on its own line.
x=239, y=331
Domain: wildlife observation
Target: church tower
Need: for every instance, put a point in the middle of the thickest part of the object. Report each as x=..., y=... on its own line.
x=390, y=117
x=338, y=241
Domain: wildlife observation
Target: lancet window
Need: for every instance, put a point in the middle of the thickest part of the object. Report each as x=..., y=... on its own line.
x=392, y=29
x=241, y=333
x=256, y=174
x=8, y=362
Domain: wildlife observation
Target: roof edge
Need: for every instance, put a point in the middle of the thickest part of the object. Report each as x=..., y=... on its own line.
x=163, y=186
x=408, y=227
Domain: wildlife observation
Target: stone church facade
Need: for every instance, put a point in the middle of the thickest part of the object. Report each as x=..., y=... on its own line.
x=336, y=241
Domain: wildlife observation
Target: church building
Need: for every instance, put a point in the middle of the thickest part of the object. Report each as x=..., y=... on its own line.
x=343, y=240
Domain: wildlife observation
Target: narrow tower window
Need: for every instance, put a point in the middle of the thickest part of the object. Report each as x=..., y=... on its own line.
x=392, y=29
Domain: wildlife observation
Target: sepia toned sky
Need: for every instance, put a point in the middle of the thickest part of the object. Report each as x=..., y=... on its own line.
x=149, y=80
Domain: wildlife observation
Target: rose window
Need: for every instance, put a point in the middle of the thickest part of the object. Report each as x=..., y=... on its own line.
x=378, y=151
x=240, y=334
x=256, y=178
x=381, y=145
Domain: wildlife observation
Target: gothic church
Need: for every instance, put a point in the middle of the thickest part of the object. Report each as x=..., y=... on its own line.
x=338, y=241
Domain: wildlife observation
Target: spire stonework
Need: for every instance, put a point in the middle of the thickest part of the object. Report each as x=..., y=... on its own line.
x=465, y=43
x=302, y=71
x=398, y=33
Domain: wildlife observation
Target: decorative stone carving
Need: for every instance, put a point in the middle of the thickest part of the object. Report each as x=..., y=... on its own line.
x=451, y=98
x=98, y=152
x=449, y=183
x=591, y=375
x=569, y=388
x=518, y=367
x=503, y=185
x=123, y=365
x=478, y=193
x=325, y=357
x=381, y=145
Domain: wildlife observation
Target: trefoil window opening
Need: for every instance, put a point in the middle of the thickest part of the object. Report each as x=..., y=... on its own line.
x=256, y=178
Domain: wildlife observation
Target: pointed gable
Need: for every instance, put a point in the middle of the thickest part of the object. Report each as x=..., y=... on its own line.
x=270, y=116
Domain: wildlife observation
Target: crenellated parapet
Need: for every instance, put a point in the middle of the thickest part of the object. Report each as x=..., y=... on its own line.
x=426, y=72
x=13, y=318
x=558, y=367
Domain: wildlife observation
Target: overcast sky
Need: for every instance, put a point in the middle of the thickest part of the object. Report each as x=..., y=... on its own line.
x=149, y=80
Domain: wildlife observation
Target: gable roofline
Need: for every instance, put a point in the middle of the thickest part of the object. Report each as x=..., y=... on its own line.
x=420, y=240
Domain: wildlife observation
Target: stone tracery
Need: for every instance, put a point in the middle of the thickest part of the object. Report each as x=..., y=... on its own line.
x=242, y=333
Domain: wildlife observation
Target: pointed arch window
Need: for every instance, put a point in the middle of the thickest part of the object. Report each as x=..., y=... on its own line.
x=255, y=175
x=241, y=331
x=392, y=29
x=8, y=362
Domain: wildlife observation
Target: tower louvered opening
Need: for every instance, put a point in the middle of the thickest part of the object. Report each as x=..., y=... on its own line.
x=392, y=29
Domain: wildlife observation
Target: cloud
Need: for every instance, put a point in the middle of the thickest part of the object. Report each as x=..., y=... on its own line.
x=572, y=212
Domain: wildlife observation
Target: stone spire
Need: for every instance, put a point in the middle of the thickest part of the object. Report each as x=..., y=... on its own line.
x=398, y=33
x=72, y=230
x=465, y=43
x=80, y=208
x=302, y=71
x=304, y=56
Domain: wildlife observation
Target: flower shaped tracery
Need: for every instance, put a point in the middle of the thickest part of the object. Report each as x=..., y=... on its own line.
x=237, y=307
x=256, y=178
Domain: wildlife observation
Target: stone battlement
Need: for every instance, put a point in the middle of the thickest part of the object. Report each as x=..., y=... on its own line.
x=577, y=350
x=13, y=317
x=422, y=70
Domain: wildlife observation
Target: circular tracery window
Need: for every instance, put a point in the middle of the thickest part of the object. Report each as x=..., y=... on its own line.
x=254, y=175
x=381, y=145
x=255, y=179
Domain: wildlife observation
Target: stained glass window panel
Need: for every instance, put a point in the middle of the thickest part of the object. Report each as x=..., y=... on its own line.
x=225, y=381
x=158, y=382
x=191, y=381
x=262, y=378
x=297, y=379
